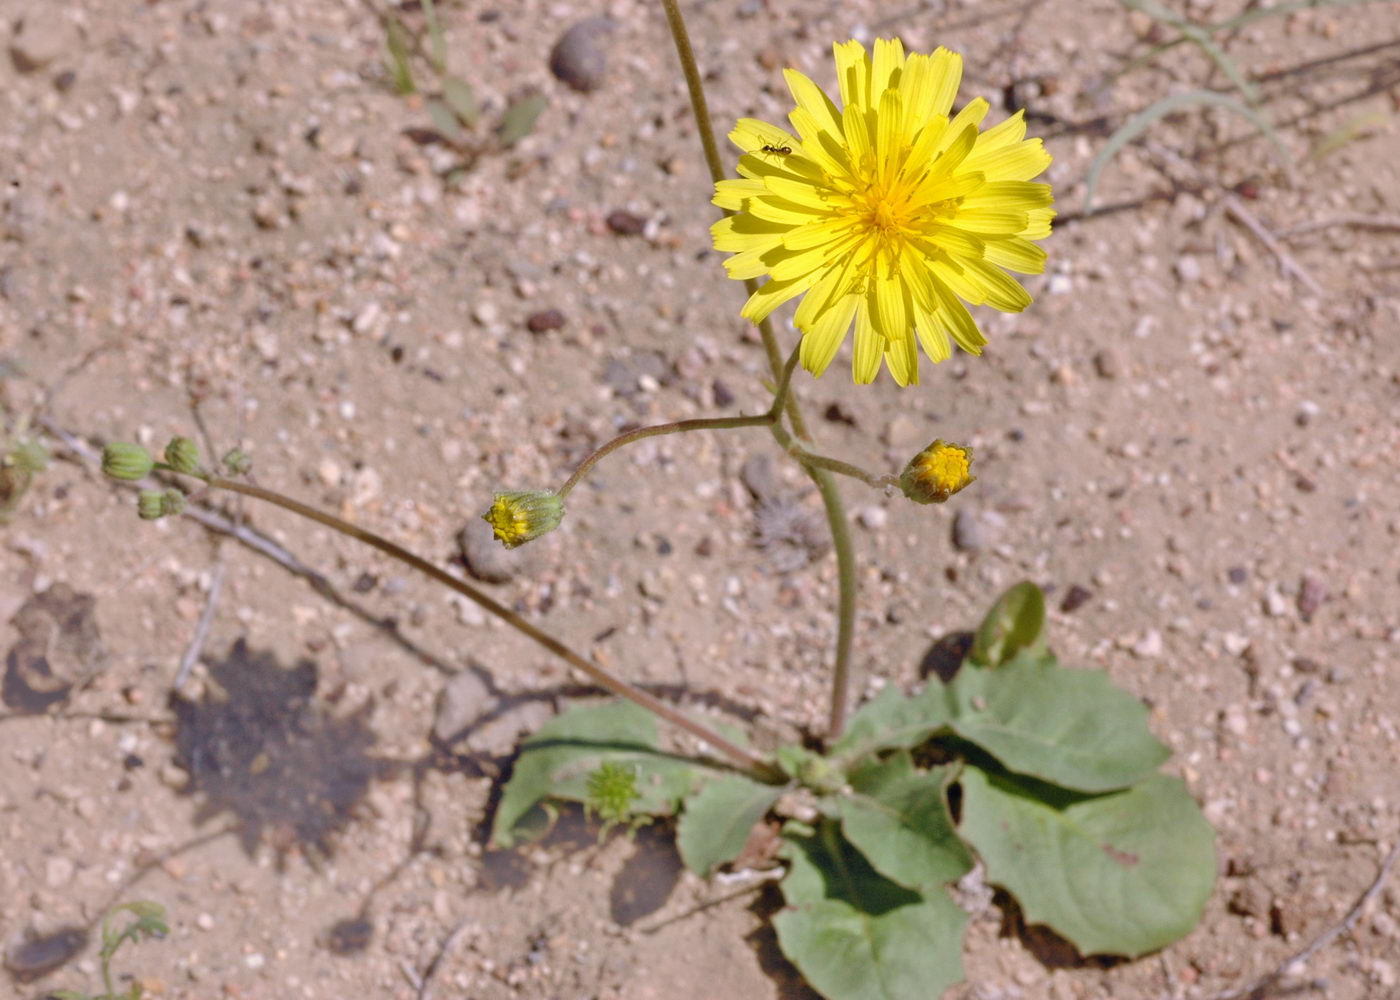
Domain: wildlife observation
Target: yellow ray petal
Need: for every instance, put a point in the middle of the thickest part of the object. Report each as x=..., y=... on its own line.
x=891, y=317
x=1020, y=162
x=1018, y=196
x=852, y=73
x=870, y=346
x=1037, y=224
x=902, y=359
x=744, y=232
x=889, y=59
x=932, y=337
x=731, y=193
x=772, y=294
x=1001, y=290
x=823, y=339
x=946, y=72
x=1015, y=253
x=809, y=97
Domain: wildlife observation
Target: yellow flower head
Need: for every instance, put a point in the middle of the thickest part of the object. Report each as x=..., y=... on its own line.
x=937, y=472
x=885, y=211
x=520, y=516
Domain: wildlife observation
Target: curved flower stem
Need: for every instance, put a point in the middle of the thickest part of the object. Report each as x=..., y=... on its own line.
x=681, y=426
x=831, y=496
x=756, y=765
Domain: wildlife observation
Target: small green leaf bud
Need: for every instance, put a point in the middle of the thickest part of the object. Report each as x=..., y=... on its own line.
x=937, y=472
x=238, y=462
x=182, y=455
x=520, y=516
x=122, y=460
x=152, y=505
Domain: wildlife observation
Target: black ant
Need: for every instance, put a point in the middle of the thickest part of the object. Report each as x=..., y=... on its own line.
x=776, y=150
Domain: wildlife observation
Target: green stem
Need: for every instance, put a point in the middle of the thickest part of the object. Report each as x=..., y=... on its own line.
x=826, y=486
x=750, y=761
x=682, y=426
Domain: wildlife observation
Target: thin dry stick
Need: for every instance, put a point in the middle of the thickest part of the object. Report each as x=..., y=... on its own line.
x=425, y=986
x=1261, y=986
x=1236, y=210
x=201, y=632
x=1381, y=222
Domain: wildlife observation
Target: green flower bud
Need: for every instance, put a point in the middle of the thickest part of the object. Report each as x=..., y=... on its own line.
x=152, y=505
x=182, y=455
x=28, y=455
x=238, y=462
x=520, y=516
x=121, y=460
x=937, y=472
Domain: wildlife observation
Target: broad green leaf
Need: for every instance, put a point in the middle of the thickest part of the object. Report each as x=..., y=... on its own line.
x=1015, y=622
x=890, y=720
x=462, y=99
x=445, y=121
x=856, y=935
x=899, y=820
x=520, y=118
x=715, y=821
x=1072, y=728
x=1119, y=874
x=555, y=764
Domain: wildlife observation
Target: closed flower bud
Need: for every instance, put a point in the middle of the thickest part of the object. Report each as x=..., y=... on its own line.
x=937, y=472
x=121, y=460
x=182, y=455
x=152, y=505
x=238, y=462
x=520, y=516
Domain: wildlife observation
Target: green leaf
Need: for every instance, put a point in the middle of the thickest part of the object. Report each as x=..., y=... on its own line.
x=520, y=118
x=715, y=821
x=1015, y=622
x=68, y=995
x=1072, y=728
x=1140, y=123
x=462, y=99
x=856, y=935
x=555, y=764
x=446, y=123
x=1119, y=874
x=899, y=820
x=396, y=56
x=891, y=720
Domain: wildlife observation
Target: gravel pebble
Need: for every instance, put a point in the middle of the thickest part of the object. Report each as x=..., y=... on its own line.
x=969, y=531
x=464, y=699
x=487, y=559
x=44, y=35
x=872, y=518
x=625, y=223
x=544, y=321
x=580, y=56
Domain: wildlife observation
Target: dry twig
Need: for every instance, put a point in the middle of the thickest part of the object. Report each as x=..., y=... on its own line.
x=201, y=632
x=1236, y=210
x=1381, y=222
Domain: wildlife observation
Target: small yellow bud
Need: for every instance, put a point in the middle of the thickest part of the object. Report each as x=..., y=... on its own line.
x=520, y=516
x=937, y=472
x=122, y=460
x=182, y=455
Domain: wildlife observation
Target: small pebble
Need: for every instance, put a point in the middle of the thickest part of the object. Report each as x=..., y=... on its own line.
x=464, y=700
x=1188, y=269
x=1311, y=594
x=624, y=223
x=486, y=559
x=1108, y=365
x=872, y=518
x=544, y=321
x=1075, y=598
x=969, y=533
x=580, y=56
x=1150, y=646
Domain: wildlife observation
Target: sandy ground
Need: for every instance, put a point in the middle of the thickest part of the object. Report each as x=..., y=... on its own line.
x=222, y=209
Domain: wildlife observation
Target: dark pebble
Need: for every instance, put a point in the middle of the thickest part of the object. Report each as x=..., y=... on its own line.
x=544, y=321
x=1075, y=598
x=41, y=955
x=1311, y=594
x=838, y=414
x=364, y=583
x=580, y=56
x=723, y=395
x=1306, y=665
x=1237, y=574
x=624, y=223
